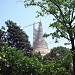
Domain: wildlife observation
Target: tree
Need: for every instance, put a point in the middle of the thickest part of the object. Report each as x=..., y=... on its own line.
x=64, y=16
x=2, y=36
x=38, y=56
x=13, y=62
x=17, y=38
x=57, y=53
x=61, y=59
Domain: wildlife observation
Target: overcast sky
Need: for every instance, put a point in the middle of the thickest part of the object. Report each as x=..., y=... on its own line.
x=15, y=11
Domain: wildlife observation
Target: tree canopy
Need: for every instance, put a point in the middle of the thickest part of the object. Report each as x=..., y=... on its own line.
x=2, y=35
x=57, y=53
x=15, y=37
x=61, y=58
x=13, y=62
x=63, y=12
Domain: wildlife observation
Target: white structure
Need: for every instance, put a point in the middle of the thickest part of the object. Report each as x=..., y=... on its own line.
x=39, y=43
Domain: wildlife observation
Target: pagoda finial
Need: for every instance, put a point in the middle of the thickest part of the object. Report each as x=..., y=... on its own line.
x=40, y=19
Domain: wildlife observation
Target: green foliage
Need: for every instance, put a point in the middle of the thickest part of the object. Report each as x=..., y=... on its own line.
x=38, y=56
x=63, y=67
x=57, y=53
x=15, y=37
x=2, y=35
x=63, y=12
x=61, y=60
x=13, y=62
x=54, y=68
x=14, y=31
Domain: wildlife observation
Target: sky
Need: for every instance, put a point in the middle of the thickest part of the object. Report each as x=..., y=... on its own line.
x=15, y=11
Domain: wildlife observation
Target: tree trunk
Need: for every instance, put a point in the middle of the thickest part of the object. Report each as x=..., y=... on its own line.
x=74, y=64
x=73, y=55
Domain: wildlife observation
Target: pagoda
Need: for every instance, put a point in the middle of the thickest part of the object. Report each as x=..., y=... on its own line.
x=39, y=43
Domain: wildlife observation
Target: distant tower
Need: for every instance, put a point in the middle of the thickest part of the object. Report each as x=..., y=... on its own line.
x=39, y=43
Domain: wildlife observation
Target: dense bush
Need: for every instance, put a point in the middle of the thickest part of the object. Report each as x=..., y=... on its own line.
x=38, y=56
x=13, y=62
x=61, y=60
x=57, y=53
x=63, y=67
